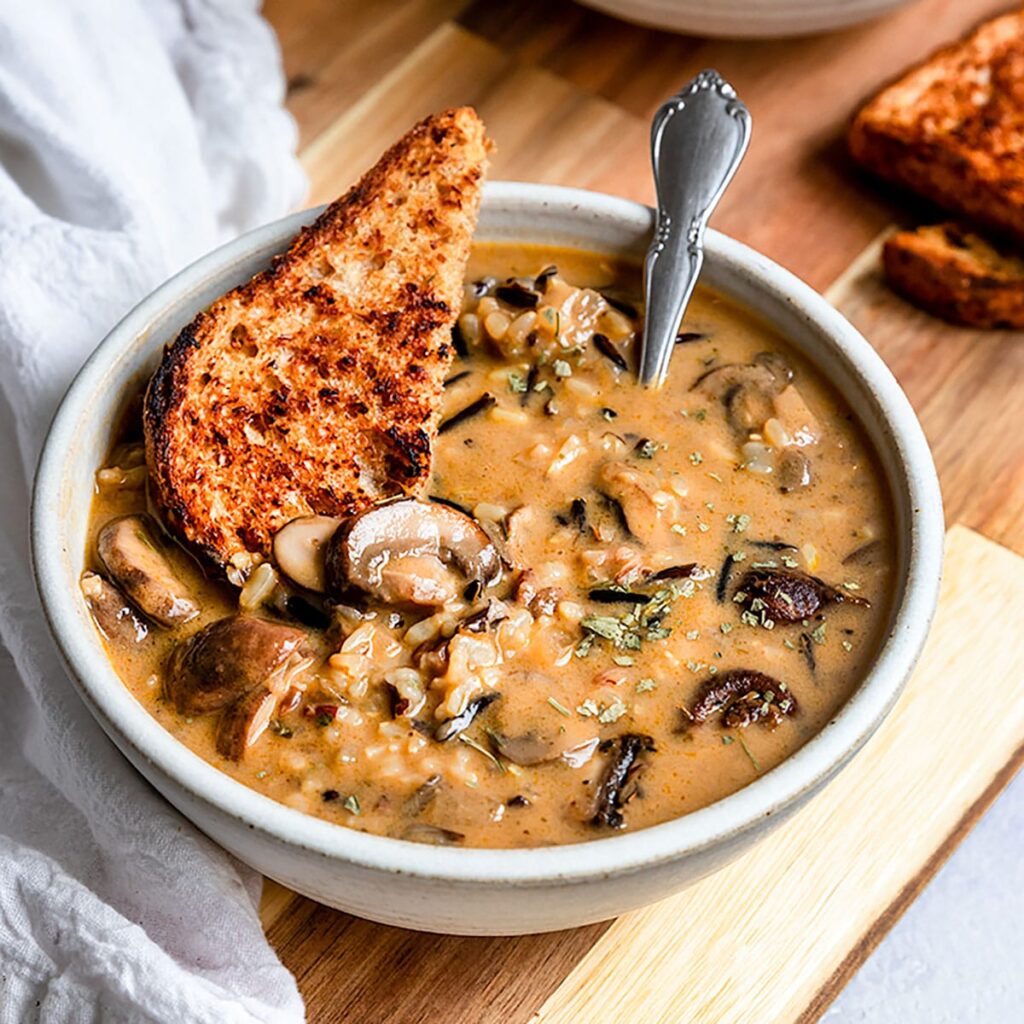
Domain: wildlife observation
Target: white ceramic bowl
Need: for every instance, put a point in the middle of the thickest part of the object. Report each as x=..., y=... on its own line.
x=469, y=891
x=747, y=19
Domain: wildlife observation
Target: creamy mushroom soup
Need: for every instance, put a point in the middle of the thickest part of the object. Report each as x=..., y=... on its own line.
x=611, y=608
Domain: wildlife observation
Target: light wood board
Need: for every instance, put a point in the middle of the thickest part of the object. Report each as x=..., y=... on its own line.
x=567, y=94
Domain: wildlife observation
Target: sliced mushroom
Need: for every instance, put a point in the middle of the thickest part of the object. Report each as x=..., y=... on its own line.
x=411, y=552
x=226, y=660
x=526, y=749
x=776, y=364
x=422, y=797
x=299, y=548
x=531, y=748
x=245, y=721
x=527, y=730
x=748, y=407
x=743, y=696
x=422, y=832
x=129, y=549
x=867, y=554
x=720, y=381
x=114, y=616
x=618, y=786
x=793, y=471
x=789, y=595
x=747, y=390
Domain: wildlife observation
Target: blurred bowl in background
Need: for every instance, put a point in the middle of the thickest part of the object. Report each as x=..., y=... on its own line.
x=747, y=19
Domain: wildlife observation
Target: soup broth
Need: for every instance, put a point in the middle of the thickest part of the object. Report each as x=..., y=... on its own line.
x=691, y=583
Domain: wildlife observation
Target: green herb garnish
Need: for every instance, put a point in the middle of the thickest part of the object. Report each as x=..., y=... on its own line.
x=560, y=708
x=481, y=749
x=747, y=751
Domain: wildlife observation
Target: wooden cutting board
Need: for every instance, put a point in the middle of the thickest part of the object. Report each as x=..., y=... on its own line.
x=568, y=95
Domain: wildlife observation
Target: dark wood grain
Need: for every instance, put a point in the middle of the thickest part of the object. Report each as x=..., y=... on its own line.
x=345, y=966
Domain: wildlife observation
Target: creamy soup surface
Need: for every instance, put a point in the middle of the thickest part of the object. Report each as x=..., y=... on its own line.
x=692, y=582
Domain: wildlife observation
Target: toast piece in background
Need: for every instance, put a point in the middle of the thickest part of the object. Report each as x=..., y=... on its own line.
x=952, y=128
x=957, y=275
x=316, y=387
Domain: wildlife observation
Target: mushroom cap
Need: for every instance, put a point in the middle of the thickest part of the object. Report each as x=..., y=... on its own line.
x=410, y=552
x=115, y=618
x=245, y=721
x=226, y=660
x=299, y=548
x=747, y=390
x=128, y=547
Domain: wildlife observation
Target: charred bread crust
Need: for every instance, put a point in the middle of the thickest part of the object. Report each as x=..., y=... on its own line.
x=955, y=274
x=951, y=128
x=316, y=386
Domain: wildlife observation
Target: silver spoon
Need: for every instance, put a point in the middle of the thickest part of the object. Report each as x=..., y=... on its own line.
x=698, y=139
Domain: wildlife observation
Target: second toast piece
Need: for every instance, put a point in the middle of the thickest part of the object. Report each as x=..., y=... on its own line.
x=316, y=386
x=952, y=129
x=957, y=275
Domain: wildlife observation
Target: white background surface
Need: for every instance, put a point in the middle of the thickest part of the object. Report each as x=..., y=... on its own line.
x=957, y=955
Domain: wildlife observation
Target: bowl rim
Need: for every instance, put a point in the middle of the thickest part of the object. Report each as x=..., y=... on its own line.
x=133, y=728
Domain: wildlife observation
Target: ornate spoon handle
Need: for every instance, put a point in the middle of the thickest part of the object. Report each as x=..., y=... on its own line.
x=698, y=139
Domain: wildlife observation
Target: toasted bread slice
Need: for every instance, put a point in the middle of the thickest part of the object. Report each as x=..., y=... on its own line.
x=957, y=275
x=952, y=129
x=316, y=387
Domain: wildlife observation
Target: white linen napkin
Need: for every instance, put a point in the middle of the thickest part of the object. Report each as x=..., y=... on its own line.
x=134, y=136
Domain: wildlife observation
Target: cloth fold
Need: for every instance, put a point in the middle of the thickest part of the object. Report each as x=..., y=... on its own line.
x=134, y=136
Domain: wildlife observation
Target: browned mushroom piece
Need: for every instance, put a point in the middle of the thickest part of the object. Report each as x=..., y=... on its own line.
x=747, y=390
x=422, y=832
x=869, y=553
x=743, y=696
x=299, y=549
x=226, y=660
x=793, y=471
x=526, y=749
x=619, y=784
x=115, y=618
x=129, y=549
x=245, y=721
x=789, y=595
x=411, y=552
x=776, y=364
x=574, y=743
x=422, y=797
